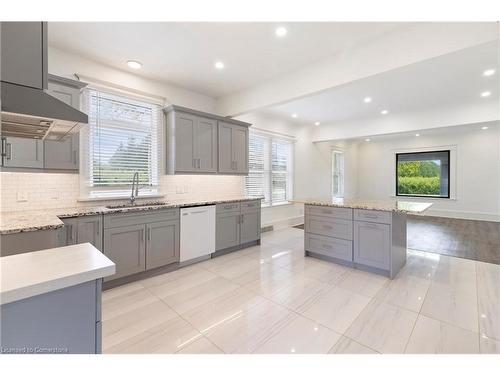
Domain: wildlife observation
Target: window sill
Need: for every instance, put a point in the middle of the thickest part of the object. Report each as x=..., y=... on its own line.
x=279, y=205
x=433, y=198
x=118, y=197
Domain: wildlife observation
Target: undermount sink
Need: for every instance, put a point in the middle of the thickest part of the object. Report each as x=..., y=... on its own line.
x=132, y=205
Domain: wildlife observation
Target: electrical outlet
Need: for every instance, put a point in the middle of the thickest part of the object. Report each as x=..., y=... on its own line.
x=22, y=196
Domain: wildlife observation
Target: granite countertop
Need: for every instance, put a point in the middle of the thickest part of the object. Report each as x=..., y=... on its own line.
x=31, y=274
x=33, y=220
x=389, y=205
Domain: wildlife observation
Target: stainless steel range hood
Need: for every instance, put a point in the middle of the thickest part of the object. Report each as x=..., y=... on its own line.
x=32, y=113
x=27, y=110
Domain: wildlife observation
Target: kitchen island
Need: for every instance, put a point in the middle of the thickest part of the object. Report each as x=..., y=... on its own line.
x=50, y=300
x=366, y=235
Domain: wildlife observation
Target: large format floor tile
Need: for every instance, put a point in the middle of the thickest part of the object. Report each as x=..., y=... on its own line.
x=488, y=289
x=383, y=327
x=337, y=308
x=246, y=331
x=432, y=336
x=271, y=299
x=301, y=336
x=445, y=303
x=347, y=346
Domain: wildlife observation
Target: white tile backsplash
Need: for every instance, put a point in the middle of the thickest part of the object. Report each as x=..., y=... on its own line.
x=29, y=191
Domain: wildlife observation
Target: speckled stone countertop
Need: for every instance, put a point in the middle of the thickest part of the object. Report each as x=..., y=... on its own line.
x=389, y=205
x=28, y=221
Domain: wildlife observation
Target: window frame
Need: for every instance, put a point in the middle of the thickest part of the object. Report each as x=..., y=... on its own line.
x=118, y=192
x=270, y=139
x=333, y=152
x=448, y=193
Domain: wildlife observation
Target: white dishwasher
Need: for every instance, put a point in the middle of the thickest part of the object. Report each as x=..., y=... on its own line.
x=197, y=232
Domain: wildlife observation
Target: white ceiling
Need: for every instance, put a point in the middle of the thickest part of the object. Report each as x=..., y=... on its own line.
x=451, y=80
x=184, y=54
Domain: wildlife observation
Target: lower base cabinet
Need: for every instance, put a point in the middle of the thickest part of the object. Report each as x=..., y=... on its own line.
x=126, y=247
x=162, y=245
x=237, y=224
x=82, y=229
x=140, y=241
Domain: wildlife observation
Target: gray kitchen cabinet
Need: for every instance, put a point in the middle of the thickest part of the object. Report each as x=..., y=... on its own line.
x=185, y=130
x=228, y=230
x=22, y=152
x=64, y=154
x=24, y=53
x=233, y=148
x=83, y=229
x=372, y=244
x=126, y=247
x=162, y=245
x=250, y=226
x=237, y=224
x=197, y=142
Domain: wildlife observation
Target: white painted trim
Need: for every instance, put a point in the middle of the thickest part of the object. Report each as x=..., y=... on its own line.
x=273, y=134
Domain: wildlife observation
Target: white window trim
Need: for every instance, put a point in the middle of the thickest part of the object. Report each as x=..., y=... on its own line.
x=342, y=151
x=291, y=180
x=89, y=193
x=453, y=171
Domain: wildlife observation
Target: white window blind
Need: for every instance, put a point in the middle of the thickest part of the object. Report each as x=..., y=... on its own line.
x=121, y=138
x=337, y=174
x=270, y=169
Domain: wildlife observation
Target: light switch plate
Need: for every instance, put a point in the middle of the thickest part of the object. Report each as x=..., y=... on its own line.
x=22, y=196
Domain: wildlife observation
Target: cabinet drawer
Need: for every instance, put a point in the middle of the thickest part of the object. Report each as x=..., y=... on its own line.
x=139, y=217
x=334, y=212
x=250, y=206
x=332, y=247
x=227, y=207
x=330, y=227
x=373, y=216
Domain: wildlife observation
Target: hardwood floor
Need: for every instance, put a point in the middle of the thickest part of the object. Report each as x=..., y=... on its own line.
x=470, y=239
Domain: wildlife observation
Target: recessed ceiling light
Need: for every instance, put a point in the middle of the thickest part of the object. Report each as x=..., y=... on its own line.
x=317, y=123
x=485, y=94
x=484, y=128
x=219, y=65
x=417, y=135
x=134, y=64
x=294, y=115
x=367, y=99
x=488, y=72
x=281, y=31
x=367, y=140
x=384, y=112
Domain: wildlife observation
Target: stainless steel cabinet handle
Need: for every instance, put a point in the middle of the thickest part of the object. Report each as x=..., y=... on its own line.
x=149, y=234
x=142, y=235
x=327, y=227
x=199, y=163
x=74, y=156
x=70, y=230
x=8, y=151
x=371, y=216
x=326, y=246
x=242, y=218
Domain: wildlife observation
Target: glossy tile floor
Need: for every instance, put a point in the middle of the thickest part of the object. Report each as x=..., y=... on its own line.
x=270, y=299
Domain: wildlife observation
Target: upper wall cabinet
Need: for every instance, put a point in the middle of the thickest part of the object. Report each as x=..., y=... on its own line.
x=202, y=143
x=24, y=53
x=233, y=148
x=64, y=154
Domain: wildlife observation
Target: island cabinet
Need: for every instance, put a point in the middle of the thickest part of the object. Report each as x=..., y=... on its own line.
x=237, y=225
x=141, y=241
x=203, y=143
x=371, y=240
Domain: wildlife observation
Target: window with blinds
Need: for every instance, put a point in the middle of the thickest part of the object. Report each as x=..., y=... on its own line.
x=121, y=139
x=270, y=169
x=337, y=174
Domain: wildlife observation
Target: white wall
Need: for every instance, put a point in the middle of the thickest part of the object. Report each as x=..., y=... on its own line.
x=476, y=169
